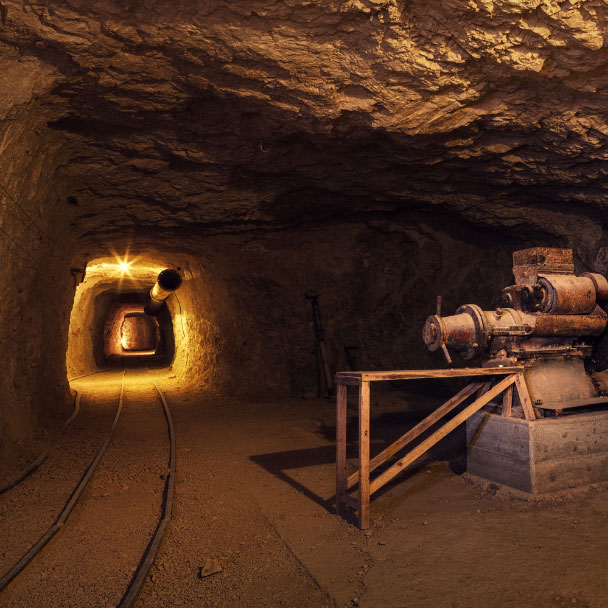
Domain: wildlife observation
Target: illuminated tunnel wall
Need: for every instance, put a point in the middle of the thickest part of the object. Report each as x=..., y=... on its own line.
x=108, y=316
x=188, y=344
x=130, y=333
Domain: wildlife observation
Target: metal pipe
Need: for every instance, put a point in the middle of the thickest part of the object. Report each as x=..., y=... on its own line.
x=167, y=282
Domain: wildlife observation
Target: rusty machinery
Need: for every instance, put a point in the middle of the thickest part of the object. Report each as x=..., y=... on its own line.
x=548, y=323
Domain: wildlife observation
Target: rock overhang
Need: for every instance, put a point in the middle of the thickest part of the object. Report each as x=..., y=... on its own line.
x=231, y=117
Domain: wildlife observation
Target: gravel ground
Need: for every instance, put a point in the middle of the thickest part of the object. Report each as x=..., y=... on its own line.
x=28, y=510
x=91, y=560
x=252, y=493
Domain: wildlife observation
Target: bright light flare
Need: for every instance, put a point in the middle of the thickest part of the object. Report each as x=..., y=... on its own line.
x=123, y=263
x=124, y=266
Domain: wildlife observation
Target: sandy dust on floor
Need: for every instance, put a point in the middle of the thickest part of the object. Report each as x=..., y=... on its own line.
x=252, y=489
x=28, y=510
x=90, y=562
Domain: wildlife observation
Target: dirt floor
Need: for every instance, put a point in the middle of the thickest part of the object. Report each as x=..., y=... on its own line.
x=252, y=493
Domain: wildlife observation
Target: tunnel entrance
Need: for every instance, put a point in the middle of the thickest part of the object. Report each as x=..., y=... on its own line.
x=128, y=332
x=139, y=333
x=109, y=325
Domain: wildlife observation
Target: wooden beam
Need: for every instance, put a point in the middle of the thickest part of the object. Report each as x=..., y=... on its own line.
x=485, y=387
x=507, y=402
x=349, y=380
x=417, y=374
x=438, y=435
x=341, y=400
x=422, y=426
x=524, y=397
x=364, y=493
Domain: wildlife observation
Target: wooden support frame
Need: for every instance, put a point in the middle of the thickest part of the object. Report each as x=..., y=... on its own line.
x=524, y=397
x=513, y=380
x=507, y=402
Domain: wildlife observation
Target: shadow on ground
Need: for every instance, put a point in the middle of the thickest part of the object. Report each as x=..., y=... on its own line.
x=386, y=428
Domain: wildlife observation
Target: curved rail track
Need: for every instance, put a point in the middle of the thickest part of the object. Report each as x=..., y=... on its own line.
x=28, y=470
x=138, y=578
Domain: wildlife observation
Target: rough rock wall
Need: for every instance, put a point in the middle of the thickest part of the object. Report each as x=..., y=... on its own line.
x=37, y=285
x=281, y=145
x=87, y=318
x=377, y=282
x=203, y=315
x=228, y=114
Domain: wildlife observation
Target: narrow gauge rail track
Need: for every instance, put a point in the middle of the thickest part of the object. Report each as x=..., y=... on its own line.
x=147, y=559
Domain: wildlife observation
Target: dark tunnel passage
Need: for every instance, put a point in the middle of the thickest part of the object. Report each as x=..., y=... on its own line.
x=129, y=332
x=139, y=333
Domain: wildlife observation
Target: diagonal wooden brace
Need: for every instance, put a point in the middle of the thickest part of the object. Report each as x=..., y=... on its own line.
x=438, y=435
x=422, y=426
x=524, y=397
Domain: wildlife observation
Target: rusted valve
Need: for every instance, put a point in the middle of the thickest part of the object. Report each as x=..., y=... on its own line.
x=433, y=332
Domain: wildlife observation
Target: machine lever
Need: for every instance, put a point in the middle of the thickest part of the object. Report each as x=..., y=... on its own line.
x=444, y=348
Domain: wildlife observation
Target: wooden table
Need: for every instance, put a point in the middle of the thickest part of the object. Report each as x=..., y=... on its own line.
x=513, y=377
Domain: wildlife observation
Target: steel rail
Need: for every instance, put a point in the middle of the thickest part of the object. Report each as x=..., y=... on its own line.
x=99, y=371
x=33, y=551
x=139, y=578
x=137, y=581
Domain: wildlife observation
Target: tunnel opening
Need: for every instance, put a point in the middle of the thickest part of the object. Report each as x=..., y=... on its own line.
x=109, y=326
x=139, y=333
x=130, y=333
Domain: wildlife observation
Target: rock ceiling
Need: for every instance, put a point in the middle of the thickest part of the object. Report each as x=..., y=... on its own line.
x=219, y=116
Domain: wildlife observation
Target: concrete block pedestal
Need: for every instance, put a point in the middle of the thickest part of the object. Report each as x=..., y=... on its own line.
x=538, y=456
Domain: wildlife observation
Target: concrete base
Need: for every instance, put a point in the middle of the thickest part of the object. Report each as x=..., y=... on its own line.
x=544, y=455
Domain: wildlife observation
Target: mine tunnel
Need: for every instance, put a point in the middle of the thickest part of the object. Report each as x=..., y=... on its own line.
x=303, y=304
x=111, y=319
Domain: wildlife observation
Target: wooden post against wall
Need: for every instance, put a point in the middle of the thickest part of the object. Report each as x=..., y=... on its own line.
x=341, y=405
x=364, y=497
x=524, y=397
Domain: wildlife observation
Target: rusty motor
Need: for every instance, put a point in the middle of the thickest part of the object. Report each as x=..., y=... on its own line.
x=547, y=311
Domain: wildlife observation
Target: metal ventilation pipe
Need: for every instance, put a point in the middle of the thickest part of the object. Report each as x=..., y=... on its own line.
x=166, y=283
